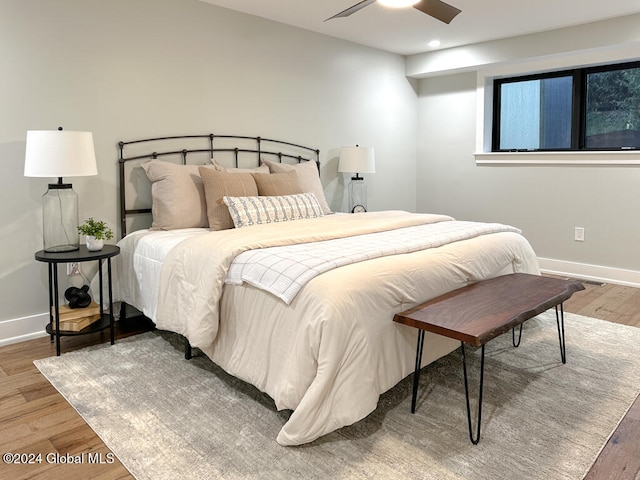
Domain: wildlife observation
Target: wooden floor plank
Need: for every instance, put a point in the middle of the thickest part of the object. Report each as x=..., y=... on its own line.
x=631, y=310
x=607, y=306
x=31, y=466
x=634, y=413
x=15, y=437
x=11, y=398
x=31, y=409
x=626, y=466
x=39, y=389
x=20, y=380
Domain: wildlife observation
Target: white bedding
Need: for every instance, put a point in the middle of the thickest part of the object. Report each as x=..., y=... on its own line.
x=283, y=271
x=331, y=352
x=136, y=271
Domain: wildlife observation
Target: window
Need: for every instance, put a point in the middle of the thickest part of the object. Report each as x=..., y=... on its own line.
x=594, y=108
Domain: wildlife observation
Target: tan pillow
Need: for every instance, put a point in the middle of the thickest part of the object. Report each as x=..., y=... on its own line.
x=308, y=176
x=261, y=169
x=219, y=184
x=277, y=184
x=177, y=195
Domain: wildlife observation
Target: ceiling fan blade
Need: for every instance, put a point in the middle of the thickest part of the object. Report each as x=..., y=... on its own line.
x=437, y=9
x=354, y=9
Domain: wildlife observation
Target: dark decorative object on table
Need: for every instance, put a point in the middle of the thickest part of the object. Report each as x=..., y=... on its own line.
x=78, y=297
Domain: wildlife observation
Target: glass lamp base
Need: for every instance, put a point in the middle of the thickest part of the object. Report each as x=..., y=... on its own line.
x=357, y=195
x=60, y=218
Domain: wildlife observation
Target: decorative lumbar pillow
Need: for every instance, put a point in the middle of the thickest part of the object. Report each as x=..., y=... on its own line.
x=308, y=176
x=218, y=184
x=278, y=184
x=177, y=195
x=261, y=169
x=246, y=211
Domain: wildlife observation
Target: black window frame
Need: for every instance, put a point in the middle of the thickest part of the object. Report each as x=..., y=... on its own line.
x=579, y=106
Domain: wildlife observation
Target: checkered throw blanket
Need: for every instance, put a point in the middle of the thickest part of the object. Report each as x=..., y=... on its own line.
x=284, y=270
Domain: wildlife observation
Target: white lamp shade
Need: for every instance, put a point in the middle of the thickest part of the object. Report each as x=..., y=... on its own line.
x=357, y=160
x=59, y=153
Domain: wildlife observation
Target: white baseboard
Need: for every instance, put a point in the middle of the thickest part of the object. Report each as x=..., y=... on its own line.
x=22, y=329
x=596, y=273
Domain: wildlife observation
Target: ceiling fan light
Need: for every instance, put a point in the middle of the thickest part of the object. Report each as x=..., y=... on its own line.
x=397, y=3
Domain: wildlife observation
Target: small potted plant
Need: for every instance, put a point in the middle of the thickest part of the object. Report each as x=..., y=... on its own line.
x=96, y=232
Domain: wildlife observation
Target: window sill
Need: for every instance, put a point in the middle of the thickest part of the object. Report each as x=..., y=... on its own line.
x=587, y=158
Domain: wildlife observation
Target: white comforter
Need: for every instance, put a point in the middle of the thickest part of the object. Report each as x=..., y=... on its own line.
x=283, y=271
x=331, y=352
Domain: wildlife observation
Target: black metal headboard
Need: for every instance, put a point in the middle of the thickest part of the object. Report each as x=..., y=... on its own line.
x=234, y=150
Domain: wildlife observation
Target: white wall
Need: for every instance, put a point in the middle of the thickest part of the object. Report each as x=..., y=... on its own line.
x=545, y=201
x=128, y=69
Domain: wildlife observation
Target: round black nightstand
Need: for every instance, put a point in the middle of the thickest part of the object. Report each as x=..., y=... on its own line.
x=80, y=255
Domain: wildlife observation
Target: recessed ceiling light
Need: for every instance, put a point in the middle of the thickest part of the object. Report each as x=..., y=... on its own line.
x=434, y=43
x=397, y=3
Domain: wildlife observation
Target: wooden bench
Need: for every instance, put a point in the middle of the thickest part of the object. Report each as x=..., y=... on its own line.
x=480, y=312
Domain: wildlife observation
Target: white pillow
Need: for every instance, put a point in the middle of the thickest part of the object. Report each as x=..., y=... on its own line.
x=246, y=211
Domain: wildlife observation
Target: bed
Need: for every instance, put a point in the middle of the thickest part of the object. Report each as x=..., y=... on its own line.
x=310, y=322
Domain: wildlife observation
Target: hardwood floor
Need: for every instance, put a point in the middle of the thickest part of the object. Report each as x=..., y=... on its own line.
x=36, y=419
x=620, y=458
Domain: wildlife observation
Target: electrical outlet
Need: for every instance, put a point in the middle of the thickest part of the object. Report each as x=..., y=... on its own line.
x=579, y=234
x=71, y=267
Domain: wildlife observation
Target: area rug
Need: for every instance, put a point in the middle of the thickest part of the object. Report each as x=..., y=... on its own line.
x=169, y=418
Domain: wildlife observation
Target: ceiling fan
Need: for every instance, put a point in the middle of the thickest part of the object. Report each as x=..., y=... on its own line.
x=435, y=8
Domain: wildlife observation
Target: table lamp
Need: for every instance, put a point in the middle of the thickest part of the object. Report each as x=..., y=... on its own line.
x=357, y=160
x=60, y=153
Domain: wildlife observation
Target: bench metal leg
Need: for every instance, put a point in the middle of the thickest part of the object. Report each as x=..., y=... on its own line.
x=474, y=439
x=416, y=381
x=188, y=354
x=513, y=336
x=416, y=372
x=560, y=323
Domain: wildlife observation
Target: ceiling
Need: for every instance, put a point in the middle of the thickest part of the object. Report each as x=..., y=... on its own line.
x=408, y=31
